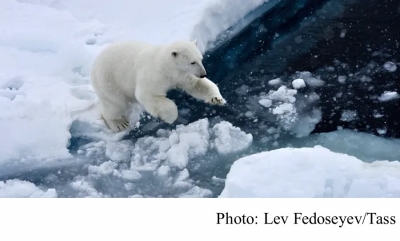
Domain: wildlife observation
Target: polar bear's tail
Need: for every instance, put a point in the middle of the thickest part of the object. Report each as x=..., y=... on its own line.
x=89, y=111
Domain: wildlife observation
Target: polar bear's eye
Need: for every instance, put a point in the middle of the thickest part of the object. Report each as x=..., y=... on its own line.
x=193, y=63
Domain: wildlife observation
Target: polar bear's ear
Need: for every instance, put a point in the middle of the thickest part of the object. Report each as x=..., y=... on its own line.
x=174, y=53
x=195, y=42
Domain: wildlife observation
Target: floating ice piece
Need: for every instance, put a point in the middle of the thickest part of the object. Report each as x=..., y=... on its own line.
x=119, y=151
x=342, y=79
x=85, y=189
x=265, y=102
x=348, y=115
x=230, y=139
x=390, y=66
x=178, y=155
x=388, y=95
x=310, y=173
x=196, y=192
x=314, y=82
x=285, y=108
x=298, y=83
x=275, y=82
x=106, y=168
x=136, y=196
x=283, y=94
x=311, y=81
x=217, y=181
x=287, y=115
x=381, y=131
x=16, y=188
x=130, y=175
x=163, y=171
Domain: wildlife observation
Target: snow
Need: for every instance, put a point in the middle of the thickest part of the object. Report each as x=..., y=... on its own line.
x=310, y=173
x=32, y=130
x=388, y=95
x=298, y=83
x=215, y=11
x=22, y=189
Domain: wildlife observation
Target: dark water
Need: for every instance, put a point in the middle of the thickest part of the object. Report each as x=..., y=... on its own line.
x=351, y=38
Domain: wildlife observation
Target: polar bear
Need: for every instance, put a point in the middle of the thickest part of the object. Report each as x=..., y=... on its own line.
x=132, y=72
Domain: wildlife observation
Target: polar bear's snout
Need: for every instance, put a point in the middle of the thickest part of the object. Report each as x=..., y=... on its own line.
x=203, y=75
x=203, y=72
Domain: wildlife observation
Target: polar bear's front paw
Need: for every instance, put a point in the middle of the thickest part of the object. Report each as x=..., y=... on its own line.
x=217, y=101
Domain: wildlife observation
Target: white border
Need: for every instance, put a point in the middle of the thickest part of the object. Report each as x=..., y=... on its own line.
x=187, y=219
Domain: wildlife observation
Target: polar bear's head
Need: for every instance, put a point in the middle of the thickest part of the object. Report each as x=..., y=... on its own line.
x=187, y=58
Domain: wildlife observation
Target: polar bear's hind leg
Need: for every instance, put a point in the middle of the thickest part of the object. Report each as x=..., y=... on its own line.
x=115, y=116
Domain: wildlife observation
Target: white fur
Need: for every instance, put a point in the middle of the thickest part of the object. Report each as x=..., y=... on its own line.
x=132, y=72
